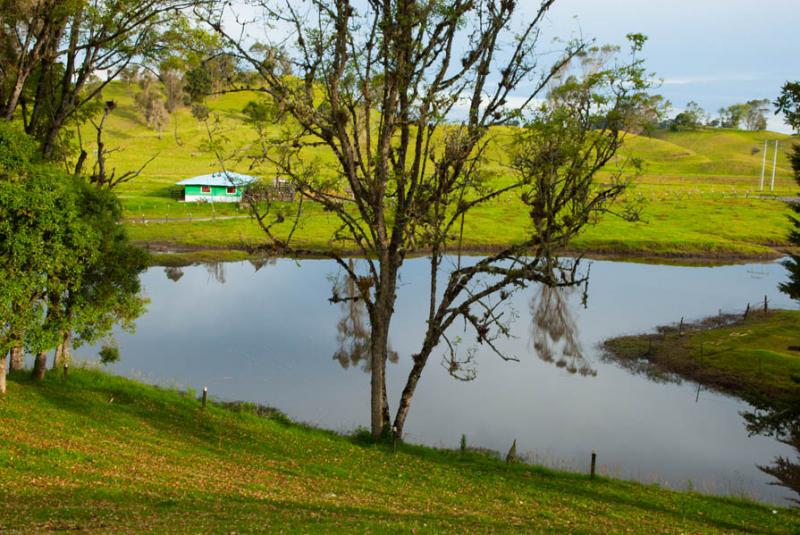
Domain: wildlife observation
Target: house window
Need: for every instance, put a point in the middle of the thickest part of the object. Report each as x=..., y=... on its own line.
x=205, y=189
x=232, y=190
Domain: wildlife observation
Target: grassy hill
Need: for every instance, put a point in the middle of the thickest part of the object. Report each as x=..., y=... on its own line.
x=103, y=453
x=700, y=189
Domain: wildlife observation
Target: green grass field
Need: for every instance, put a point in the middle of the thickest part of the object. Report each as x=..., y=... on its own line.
x=752, y=358
x=700, y=189
x=99, y=453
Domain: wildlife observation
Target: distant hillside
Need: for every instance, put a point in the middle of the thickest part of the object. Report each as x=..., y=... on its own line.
x=711, y=152
x=699, y=189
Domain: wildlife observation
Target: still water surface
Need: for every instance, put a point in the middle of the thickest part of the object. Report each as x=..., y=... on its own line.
x=269, y=335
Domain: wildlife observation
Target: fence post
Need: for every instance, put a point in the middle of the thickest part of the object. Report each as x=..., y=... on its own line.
x=747, y=311
x=766, y=306
x=594, y=465
x=680, y=327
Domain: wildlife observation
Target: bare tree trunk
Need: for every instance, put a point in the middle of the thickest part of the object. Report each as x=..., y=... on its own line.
x=17, y=358
x=420, y=359
x=378, y=398
x=40, y=366
x=51, y=137
x=57, y=356
x=11, y=105
x=63, y=352
x=3, y=362
x=380, y=320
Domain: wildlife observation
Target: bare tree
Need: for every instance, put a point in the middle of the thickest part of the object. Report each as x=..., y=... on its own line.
x=68, y=44
x=407, y=95
x=100, y=175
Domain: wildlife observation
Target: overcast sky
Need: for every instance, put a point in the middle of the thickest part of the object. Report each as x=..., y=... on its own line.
x=715, y=52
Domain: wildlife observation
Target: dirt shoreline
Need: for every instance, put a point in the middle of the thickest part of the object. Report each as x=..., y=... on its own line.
x=672, y=352
x=170, y=254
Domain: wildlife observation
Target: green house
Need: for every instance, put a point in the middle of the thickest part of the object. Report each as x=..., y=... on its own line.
x=225, y=186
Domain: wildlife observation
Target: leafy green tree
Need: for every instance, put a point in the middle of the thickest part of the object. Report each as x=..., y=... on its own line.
x=57, y=50
x=42, y=238
x=261, y=115
x=109, y=291
x=65, y=263
x=733, y=115
x=198, y=84
x=788, y=103
x=691, y=118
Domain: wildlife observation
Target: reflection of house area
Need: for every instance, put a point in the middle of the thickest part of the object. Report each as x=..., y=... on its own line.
x=554, y=332
x=352, y=330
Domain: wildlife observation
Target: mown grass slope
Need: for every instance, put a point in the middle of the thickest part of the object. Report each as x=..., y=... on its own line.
x=700, y=189
x=103, y=453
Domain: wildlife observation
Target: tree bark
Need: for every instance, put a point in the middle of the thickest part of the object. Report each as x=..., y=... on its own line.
x=63, y=351
x=379, y=342
x=3, y=359
x=380, y=320
x=17, y=358
x=40, y=366
x=420, y=359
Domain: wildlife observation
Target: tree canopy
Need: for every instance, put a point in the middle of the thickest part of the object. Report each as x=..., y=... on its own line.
x=65, y=263
x=788, y=103
x=407, y=95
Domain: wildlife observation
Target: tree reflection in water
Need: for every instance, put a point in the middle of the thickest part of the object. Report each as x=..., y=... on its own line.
x=352, y=330
x=216, y=271
x=781, y=419
x=554, y=332
x=173, y=273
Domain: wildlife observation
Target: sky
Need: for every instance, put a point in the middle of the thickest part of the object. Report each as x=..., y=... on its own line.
x=714, y=52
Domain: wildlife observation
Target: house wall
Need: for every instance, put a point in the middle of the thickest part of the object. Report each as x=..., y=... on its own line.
x=217, y=194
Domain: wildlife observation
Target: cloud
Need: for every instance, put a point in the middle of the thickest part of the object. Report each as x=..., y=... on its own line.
x=710, y=79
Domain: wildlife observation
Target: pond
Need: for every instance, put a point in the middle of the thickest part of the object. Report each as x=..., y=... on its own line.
x=267, y=334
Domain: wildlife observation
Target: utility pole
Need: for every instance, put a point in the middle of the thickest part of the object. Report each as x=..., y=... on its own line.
x=763, y=165
x=774, y=166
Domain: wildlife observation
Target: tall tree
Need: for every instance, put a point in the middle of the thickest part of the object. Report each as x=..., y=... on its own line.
x=65, y=263
x=150, y=103
x=788, y=103
x=44, y=247
x=691, y=118
x=733, y=115
x=406, y=94
x=756, y=117
x=59, y=48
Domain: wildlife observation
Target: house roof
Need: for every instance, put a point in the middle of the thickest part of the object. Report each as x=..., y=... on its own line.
x=223, y=178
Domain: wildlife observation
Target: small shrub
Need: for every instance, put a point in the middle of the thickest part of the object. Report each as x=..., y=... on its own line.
x=109, y=353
